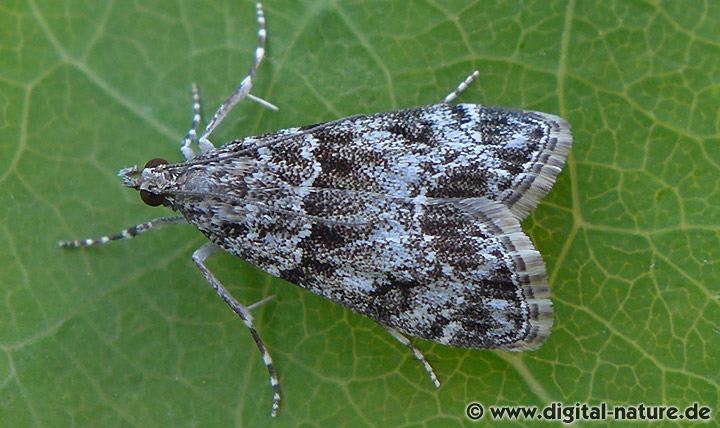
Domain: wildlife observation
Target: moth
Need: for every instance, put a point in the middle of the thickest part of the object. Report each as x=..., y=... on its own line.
x=410, y=217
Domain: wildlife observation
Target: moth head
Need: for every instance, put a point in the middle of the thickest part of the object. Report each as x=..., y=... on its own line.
x=147, y=181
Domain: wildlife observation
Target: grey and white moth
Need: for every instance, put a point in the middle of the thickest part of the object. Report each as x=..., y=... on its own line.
x=410, y=217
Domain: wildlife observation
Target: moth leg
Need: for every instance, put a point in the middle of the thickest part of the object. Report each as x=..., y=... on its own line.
x=265, y=103
x=128, y=233
x=420, y=357
x=199, y=257
x=260, y=302
x=243, y=88
x=191, y=136
x=461, y=87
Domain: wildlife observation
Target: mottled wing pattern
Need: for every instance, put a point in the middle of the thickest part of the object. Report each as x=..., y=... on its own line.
x=439, y=151
x=460, y=273
x=410, y=217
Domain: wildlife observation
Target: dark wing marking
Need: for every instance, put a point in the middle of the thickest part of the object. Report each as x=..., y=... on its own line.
x=459, y=272
x=442, y=151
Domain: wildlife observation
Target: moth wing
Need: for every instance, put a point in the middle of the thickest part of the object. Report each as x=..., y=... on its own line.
x=458, y=272
x=488, y=286
x=547, y=149
x=529, y=276
x=440, y=151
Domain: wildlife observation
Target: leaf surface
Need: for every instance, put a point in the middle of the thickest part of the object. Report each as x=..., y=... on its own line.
x=129, y=334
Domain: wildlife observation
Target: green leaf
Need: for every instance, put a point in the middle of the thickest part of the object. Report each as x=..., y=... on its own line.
x=129, y=334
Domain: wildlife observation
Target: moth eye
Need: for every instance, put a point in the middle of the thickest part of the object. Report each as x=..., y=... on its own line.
x=150, y=198
x=152, y=163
